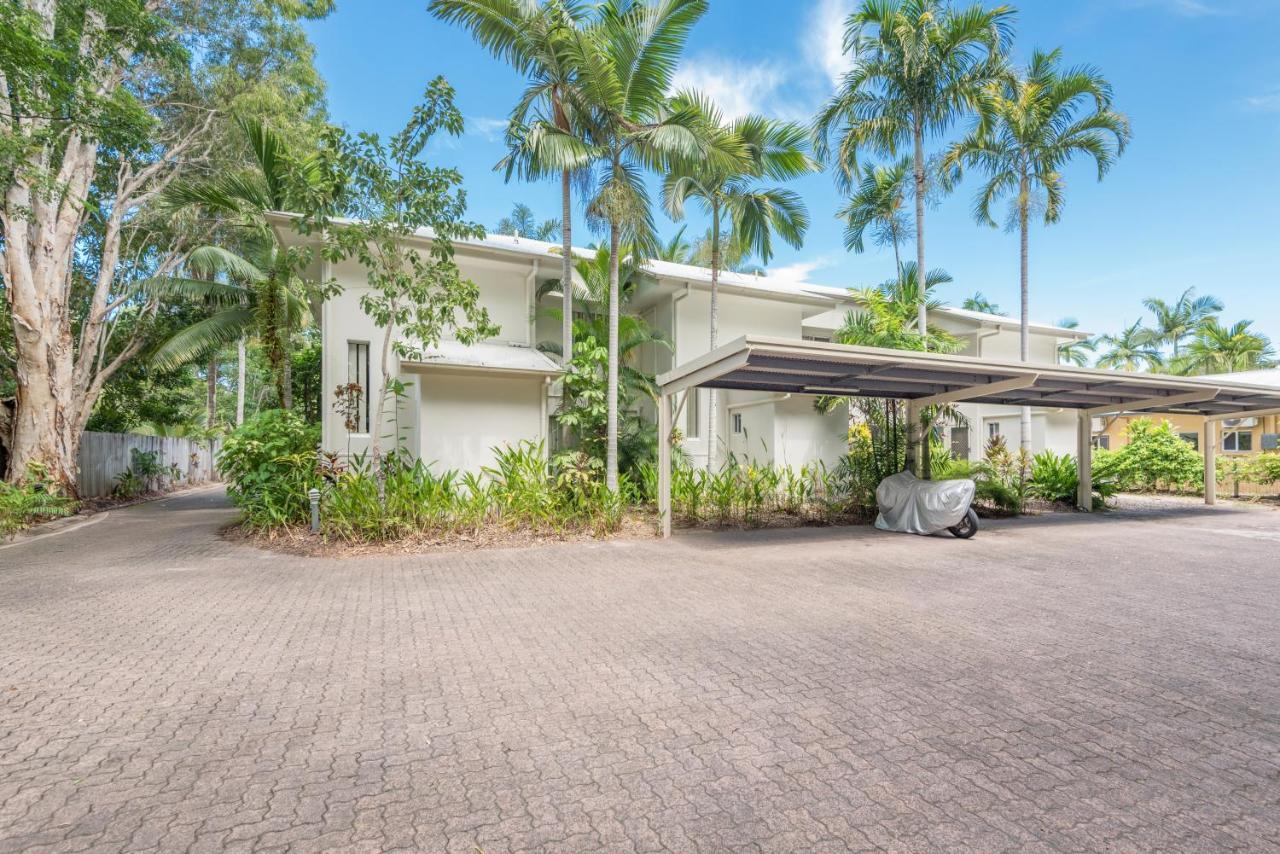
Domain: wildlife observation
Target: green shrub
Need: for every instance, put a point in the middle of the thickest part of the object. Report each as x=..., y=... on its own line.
x=35, y=500
x=1155, y=458
x=1054, y=477
x=270, y=464
x=1265, y=468
x=522, y=490
x=1002, y=478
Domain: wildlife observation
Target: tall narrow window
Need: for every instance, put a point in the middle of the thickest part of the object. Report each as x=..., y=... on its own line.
x=693, y=410
x=358, y=373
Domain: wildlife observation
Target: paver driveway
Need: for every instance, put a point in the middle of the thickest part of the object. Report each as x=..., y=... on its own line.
x=1051, y=685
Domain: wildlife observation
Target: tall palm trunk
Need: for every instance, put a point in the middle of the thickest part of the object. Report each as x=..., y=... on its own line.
x=713, y=431
x=925, y=431
x=240, y=372
x=923, y=314
x=611, y=450
x=566, y=267
x=286, y=376
x=1024, y=338
x=211, y=392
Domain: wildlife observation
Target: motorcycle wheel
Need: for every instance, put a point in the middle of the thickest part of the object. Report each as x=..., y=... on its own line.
x=968, y=526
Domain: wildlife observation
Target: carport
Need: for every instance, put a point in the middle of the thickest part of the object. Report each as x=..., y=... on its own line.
x=924, y=379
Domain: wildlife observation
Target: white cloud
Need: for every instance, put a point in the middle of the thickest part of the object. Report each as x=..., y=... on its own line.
x=822, y=42
x=492, y=130
x=737, y=88
x=800, y=271
x=1268, y=102
x=1183, y=8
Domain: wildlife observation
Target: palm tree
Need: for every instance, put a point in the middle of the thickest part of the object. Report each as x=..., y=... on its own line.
x=1030, y=128
x=1219, y=349
x=879, y=204
x=278, y=181
x=536, y=38
x=1133, y=349
x=730, y=194
x=1075, y=352
x=889, y=312
x=625, y=62
x=978, y=302
x=522, y=223
x=1175, y=323
x=677, y=250
x=918, y=66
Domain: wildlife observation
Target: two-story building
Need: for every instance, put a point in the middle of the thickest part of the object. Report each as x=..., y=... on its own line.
x=462, y=401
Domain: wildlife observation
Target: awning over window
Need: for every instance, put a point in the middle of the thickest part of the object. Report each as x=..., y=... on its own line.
x=488, y=357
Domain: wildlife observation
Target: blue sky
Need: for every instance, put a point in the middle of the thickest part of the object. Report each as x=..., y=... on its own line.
x=1195, y=202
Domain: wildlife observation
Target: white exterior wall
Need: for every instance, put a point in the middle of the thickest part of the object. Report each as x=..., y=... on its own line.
x=451, y=420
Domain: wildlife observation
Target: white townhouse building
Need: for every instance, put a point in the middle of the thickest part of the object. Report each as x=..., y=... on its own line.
x=463, y=401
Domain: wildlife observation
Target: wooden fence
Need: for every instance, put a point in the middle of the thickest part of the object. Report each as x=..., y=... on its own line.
x=103, y=456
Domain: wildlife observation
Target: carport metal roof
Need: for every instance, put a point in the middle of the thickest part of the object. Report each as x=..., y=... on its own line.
x=803, y=367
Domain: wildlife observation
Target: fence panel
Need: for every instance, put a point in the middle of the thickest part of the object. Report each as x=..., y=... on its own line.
x=105, y=455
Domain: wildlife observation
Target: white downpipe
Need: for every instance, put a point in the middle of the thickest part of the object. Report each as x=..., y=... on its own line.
x=530, y=290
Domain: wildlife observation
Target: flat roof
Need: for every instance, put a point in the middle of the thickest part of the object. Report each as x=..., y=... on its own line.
x=804, y=367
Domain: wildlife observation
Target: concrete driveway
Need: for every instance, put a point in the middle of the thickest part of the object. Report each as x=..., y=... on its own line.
x=1051, y=685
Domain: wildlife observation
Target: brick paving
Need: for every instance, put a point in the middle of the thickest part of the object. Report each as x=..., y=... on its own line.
x=1059, y=684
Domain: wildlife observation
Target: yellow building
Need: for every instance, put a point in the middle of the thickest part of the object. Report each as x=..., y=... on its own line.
x=1236, y=436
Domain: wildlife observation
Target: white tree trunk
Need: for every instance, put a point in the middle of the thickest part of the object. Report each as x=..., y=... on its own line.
x=923, y=313
x=1024, y=342
x=611, y=450
x=240, y=376
x=713, y=428
x=566, y=267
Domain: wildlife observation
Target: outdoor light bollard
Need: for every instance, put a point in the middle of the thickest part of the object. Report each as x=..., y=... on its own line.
x=314, y=495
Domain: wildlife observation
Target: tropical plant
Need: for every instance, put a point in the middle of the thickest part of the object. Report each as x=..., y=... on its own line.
x=677, y=249
x=584, y=405
x=522, y=223
x=1075, y=351
x=1132, y=349
x=1175, y=322
x=878, y=203
x=729, y=192
x=1002, y=478
x=258, y=290
x=1032, y=124
x=1219, y=349
x=1054, y=477
x=978, y=302
x=414, y=297
x=626, y=60
x=889, y=310
x=545, y=136
x=269, y=464
x=1154, y=457
x=34, y=500
x=918, y=66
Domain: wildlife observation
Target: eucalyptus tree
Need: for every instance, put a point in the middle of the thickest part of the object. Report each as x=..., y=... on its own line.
x=102, y=105
x=878, y=203
x=626, y=60
x=1131, y=349
x=536, y=38
x=1175, y=322
x=1032, y=124
x=918, y=66
x=730, y=193
x=1219, y=349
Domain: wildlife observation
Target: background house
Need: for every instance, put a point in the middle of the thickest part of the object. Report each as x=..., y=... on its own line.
x=1236, y=436
x=460, y=402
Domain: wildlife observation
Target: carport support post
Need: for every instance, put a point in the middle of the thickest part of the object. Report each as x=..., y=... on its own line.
x=664, y=464
x=1210, y=442
x=914, y=454
x=1084, y=460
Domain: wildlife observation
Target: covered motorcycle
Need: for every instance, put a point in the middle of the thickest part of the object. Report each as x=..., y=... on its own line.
x=913, y=506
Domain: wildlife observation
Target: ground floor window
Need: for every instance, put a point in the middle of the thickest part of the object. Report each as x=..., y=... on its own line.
x=1102, y=443
x=993, y=429
x=737, y=422
x=1237, y=440
x=358, y=373
x=1192, y=439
